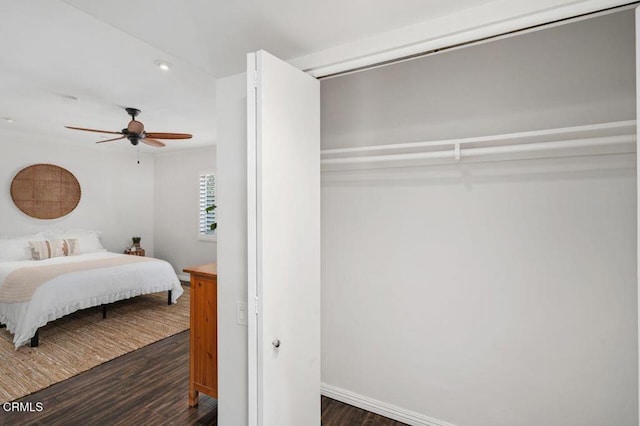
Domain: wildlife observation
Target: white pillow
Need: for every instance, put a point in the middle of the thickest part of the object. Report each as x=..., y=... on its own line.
x=88, y=241
x=53, y=234
x=17, y=248
x=14, y=249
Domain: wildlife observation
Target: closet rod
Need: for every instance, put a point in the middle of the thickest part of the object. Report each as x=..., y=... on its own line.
x=457, y=153
x=628, y=125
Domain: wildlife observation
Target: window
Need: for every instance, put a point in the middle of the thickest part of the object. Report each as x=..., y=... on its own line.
x=207, y=199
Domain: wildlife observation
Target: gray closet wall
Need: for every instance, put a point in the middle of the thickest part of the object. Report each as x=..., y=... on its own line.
x=495, y=293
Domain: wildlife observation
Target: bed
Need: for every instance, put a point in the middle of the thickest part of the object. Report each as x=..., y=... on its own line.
x=69, y=283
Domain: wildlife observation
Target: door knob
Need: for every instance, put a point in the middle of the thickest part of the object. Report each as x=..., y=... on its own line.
x=276, y=343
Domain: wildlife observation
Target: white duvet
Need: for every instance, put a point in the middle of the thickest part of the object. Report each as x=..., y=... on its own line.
x=82, y=289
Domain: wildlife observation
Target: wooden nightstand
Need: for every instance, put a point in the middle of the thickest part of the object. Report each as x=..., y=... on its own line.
x=139, y=252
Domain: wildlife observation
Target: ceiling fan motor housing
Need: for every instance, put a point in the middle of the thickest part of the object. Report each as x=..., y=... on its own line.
x=134, y=138
x=135, y=129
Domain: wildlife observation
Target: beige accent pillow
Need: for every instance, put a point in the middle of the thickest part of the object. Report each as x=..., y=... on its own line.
x=40, y=250
x=47, y=249
x=65, y=247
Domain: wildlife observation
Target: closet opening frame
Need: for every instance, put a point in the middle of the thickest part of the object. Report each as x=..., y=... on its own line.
x=322, y=75
x=476, y=41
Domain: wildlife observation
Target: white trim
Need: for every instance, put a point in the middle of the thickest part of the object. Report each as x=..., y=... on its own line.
x=208, y=238
x=252, y=240
x=488, y=20
x=387, y=410
x=638, y=175
x=184, y=277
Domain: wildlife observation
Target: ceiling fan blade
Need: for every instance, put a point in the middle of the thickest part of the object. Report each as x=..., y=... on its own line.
x=169, y=135
x=110, y=140
x=93, y=130
x=153, y=142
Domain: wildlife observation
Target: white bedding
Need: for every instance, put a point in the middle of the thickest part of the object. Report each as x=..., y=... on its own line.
x=82, y=289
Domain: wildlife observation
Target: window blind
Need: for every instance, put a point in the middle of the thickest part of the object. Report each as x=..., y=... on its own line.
x=207, y=198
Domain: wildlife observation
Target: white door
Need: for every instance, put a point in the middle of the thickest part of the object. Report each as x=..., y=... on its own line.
x=284, y=243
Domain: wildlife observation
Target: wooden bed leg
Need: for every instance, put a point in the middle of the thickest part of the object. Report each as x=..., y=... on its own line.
x=169, y=297
x=34, y=339
x=104, y=311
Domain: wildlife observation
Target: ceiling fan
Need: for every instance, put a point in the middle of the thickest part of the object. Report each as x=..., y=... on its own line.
x=135, y=132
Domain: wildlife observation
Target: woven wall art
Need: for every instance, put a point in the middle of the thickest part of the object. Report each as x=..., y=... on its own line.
x=45, y=191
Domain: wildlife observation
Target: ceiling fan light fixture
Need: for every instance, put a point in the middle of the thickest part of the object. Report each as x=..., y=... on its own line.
x=135, y=127
x=163, y=65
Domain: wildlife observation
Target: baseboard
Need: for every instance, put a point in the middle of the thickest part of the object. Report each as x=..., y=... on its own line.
x=183, y=277
x=387, y=410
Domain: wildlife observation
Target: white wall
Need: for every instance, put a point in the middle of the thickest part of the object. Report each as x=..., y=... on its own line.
x=495, y=293
x=117, y=193
x=582, y=73
x=231, y=102
x=176, y=207
x=487, y=295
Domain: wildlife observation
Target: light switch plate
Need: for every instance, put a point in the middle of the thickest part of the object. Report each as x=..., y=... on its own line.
x=241, y=313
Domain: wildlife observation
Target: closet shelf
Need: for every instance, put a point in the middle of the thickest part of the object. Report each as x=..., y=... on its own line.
x=595, y=139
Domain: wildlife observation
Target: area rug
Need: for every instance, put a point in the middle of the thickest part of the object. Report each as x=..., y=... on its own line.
x=83, y=340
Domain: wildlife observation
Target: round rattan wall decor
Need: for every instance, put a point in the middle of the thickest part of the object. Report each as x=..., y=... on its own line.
x=45, y=191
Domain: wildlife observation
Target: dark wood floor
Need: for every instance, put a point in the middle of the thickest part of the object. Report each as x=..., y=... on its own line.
x=147, y=387
x=336, y=413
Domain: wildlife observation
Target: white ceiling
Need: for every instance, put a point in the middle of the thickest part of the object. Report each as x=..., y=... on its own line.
x=103, y=53
x=215, y=35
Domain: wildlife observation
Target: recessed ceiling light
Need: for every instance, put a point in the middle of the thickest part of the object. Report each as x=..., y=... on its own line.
x=163, y=65
x=8, y=120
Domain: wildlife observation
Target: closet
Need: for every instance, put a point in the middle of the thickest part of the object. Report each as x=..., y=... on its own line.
x=478, y=224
